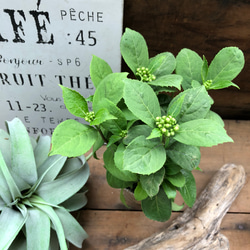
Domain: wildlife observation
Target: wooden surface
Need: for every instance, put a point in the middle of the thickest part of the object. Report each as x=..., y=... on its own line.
x=204, y=26
x=111, y=226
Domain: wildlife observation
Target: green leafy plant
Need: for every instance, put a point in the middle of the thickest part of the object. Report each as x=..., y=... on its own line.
x=37, y=193
x=153, y=124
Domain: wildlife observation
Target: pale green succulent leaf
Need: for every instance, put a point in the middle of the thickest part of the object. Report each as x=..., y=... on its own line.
x=41, y=150
x=37, y=229
x=5, y=174
x=22, y=152
x=60, y=189
x=56, y=223
x=74, y=233
x=11, y=222
x=75, y=202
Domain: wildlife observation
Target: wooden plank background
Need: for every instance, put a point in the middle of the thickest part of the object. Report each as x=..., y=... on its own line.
x=111, y=226
x=204, y=26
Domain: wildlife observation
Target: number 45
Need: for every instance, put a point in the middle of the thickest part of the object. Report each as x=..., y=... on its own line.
x=80, y=38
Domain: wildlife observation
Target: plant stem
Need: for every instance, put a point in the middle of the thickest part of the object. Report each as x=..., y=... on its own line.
x=89, y=156
x=102, y=135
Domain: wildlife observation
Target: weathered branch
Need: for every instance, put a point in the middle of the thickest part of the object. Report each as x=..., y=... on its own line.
x=198, y=227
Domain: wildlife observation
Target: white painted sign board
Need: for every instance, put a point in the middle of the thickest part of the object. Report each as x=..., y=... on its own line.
x=45, y=43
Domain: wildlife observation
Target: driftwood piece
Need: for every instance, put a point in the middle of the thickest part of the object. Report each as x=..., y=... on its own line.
x=198, y=227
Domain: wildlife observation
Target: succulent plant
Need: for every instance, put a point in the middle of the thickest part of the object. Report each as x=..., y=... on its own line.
x=37, y=193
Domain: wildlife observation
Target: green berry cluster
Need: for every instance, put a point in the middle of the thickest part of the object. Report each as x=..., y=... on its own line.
x=123, y=133
x=145, y=75
x=90, y=116
x=167, y=125
x=208, y=83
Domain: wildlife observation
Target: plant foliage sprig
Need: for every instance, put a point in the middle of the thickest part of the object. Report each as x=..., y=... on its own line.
x=37, y=193
x=152, y=129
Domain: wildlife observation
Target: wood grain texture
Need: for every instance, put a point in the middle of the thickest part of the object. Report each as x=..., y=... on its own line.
x=204, y=26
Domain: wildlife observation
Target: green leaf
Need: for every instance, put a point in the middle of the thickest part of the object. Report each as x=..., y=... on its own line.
x=115, y=125
x=151, y=183
x=188, y=191
x=204, y=69
x=175, y=106
x=142, y=101
x=117, y=183
x=65, y=186
x=215, y=117
x=134, y=49
x=202, y=133
x=140, y=193
x=144, y=156
x=22, y=152
x=189, y=65
x=176, y=207
x=196, y=104
x=188, y=157
x=37, y=230
x=177, y=180
x=136, y=131
x=158, y=208
x=226, y=65
x=111, y=87
x=169, y=190
x=11, y=222
x=74, y=233
x=122, y=174
x=156, y=132
x=162, y=64
x=99, y=69
x=222, y=84
x=101, y=116
x=171, y=168
x=74, y=102
x=71, y=138
x=168, y=81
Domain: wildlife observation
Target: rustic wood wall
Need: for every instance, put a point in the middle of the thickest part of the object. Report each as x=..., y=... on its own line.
x=205, y=26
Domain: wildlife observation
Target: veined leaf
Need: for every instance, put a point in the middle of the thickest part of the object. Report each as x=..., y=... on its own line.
x=101, y=116
x=74, y=233
x=37, y=229
x=157, y=208
x=140, y=193
x=188, y=157
x=151, y=183
x=202, y=133
x=22, y=152
x=169, y=190
x=215, y=117
x=162, y=64
x=188, y=65
x=114, y=182
x=195, y=105
x=226, y=65
x=188, y=191
x=168, y=81
x=144, y=156
x=134, y=49
x=11, y=222
x=222, y=84
x=142, y=101
x=177, y=180
x=74, y=102
x=122, y=174
x=99, y=69
x=111, y=87
x=71, y=138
